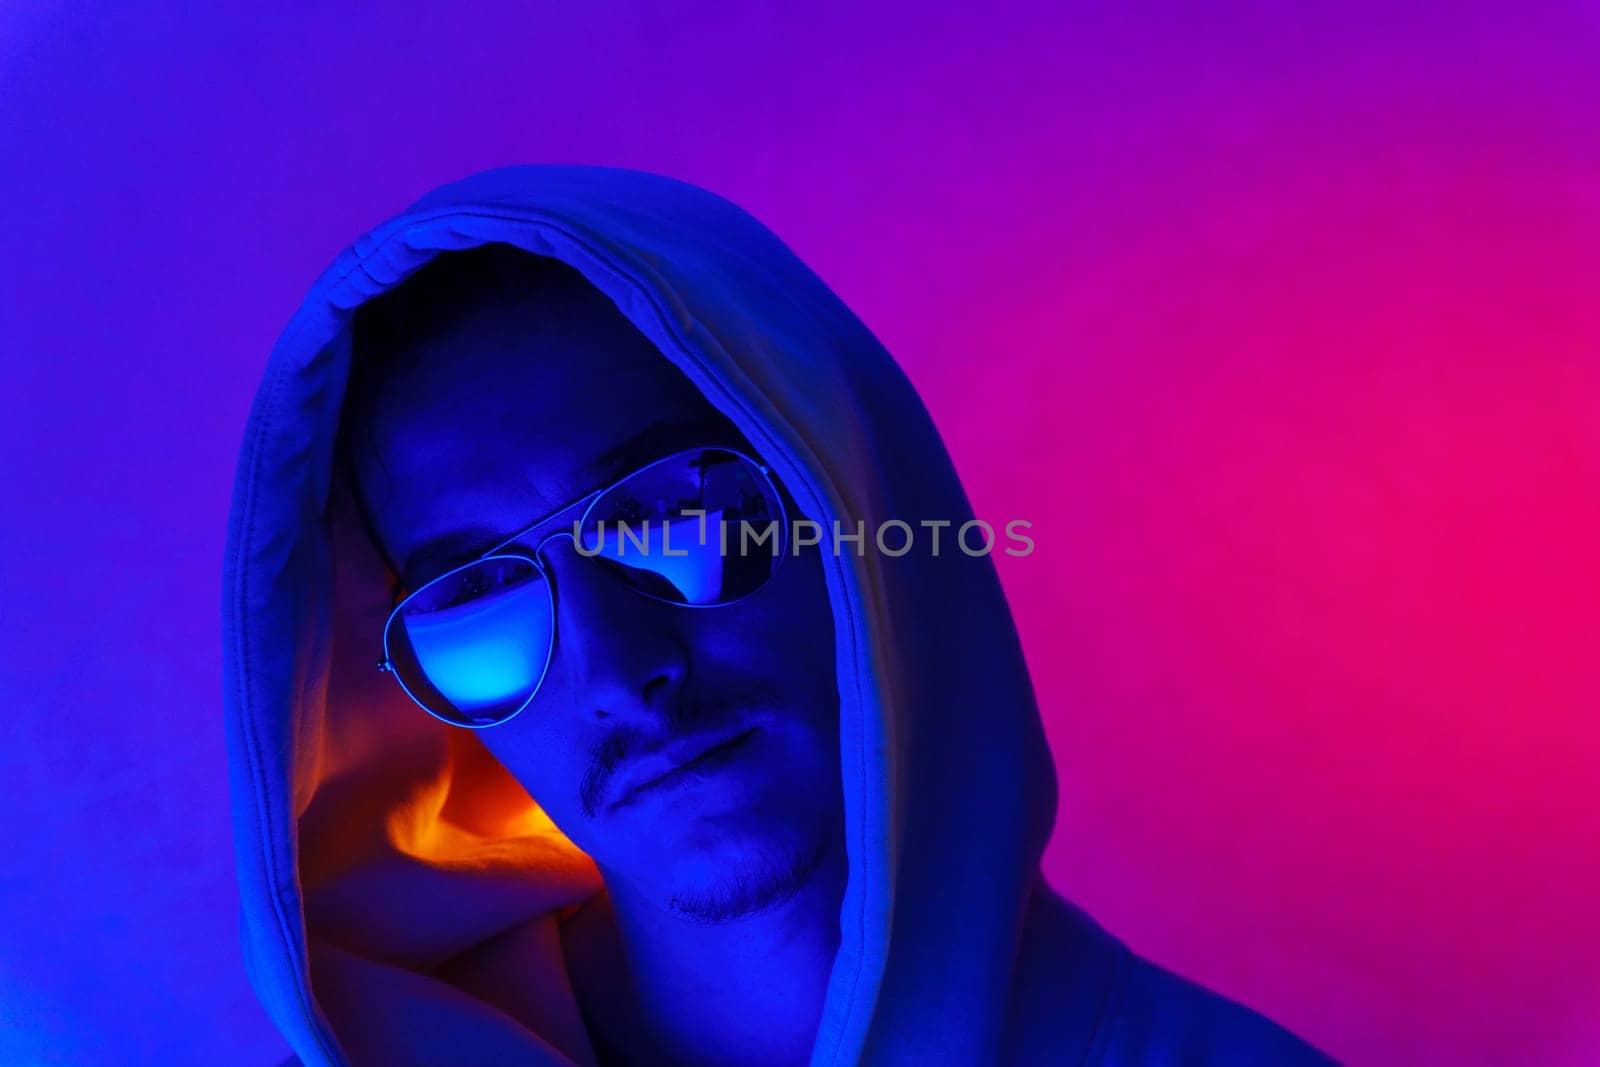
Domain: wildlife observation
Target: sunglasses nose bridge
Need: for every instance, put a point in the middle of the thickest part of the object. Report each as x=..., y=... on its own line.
x=541, y=551
x=539, y=547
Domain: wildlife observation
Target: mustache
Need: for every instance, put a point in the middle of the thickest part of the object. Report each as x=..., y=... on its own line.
x=684, y=719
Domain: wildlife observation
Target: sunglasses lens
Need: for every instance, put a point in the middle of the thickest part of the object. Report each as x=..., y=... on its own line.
x=701, y=528
x=472, y=646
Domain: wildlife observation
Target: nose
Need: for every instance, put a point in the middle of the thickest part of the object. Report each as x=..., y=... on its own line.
x=624, y=654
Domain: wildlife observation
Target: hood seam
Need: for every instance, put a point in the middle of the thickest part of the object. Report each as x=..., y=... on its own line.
x=295, y=946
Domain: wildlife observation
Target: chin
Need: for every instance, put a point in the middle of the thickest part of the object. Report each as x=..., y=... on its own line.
x=723, y=873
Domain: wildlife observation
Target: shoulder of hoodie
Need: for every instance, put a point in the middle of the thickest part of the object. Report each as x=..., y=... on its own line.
x=1080, y=996
x=1166, y=1019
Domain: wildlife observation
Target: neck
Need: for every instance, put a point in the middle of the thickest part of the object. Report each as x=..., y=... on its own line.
x=683, y=990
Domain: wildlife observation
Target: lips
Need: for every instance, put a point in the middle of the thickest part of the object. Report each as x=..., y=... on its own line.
x=676, y=762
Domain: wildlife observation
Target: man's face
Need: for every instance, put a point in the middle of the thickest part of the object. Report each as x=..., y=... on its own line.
x=692, y=752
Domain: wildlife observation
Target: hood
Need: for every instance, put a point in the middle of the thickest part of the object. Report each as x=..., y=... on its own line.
x=355, y=815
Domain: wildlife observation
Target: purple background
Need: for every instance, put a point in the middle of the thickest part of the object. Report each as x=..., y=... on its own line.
x=1280, y=326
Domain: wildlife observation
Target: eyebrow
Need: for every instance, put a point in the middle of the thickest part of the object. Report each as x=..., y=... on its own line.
x=455, y=547
x=439, y=554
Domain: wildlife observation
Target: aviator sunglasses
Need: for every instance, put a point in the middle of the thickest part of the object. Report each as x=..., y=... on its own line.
x=473, y=645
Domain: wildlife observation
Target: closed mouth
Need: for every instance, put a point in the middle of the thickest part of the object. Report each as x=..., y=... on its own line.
x=704, y=761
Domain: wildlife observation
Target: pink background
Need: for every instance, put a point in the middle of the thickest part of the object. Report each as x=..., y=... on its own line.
x=1281, y=328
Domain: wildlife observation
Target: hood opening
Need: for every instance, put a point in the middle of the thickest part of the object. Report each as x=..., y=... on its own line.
x=399, y=887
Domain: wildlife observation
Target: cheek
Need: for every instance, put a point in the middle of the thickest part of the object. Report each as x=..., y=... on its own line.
x=547, y=756
x=794, y=615
x=781, y=637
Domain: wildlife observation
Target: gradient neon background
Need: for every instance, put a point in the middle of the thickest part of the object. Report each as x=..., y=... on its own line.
x=1281, y=326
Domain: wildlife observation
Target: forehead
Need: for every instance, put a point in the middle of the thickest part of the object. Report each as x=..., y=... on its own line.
x=511, y=414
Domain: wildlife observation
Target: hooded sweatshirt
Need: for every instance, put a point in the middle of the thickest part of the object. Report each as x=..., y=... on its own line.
x=402, y=895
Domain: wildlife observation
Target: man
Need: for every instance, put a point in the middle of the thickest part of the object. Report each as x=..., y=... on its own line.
x=702, y=804
x=725, y=880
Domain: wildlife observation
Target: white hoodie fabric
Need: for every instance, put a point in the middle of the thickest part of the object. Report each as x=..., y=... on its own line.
x=401, y=894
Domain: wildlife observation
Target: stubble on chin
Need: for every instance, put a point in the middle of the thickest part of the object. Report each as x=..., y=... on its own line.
x=755, y=884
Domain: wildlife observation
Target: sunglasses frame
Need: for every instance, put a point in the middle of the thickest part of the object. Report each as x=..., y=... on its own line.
x=587, y=503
